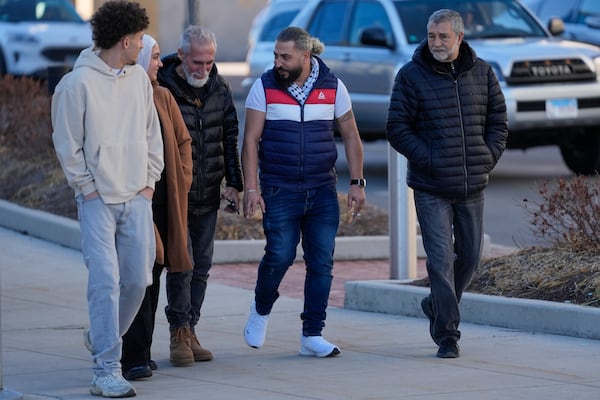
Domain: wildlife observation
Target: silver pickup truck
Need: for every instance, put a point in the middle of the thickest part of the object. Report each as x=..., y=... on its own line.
x=552, y=86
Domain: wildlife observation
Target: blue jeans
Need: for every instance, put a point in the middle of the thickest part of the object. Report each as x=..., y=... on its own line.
x=452, y=233
x=119, y=248
x=313, y=215
x=202, y=240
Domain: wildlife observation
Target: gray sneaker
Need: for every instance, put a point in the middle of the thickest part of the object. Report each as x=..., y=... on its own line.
x=113, y=385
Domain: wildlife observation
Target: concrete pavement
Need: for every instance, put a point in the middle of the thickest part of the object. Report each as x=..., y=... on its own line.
x=43, y=314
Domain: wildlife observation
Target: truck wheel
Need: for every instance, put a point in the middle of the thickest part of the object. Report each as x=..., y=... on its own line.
x=582, y=154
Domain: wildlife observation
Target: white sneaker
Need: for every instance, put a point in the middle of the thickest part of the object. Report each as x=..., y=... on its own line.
x=87, y=339
x=113, y=385
x=256, y=328
x=316, y=346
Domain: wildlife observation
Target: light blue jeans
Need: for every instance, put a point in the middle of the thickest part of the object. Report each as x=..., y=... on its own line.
x=119, y=248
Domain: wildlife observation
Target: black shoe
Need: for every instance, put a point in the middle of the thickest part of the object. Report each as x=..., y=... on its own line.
x=448, y=349
x=427, y=308
x=152, y=365
x=143, y=371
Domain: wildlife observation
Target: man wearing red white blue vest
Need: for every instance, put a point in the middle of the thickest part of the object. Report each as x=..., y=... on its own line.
x=289, y=147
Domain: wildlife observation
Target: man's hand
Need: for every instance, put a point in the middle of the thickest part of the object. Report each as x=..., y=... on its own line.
x=252, y=199
x=147, y=192
x=91, y=196
x=356, y=200
x=233, y=197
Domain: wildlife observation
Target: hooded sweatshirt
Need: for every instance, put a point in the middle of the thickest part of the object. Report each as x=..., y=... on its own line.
x=106, y=131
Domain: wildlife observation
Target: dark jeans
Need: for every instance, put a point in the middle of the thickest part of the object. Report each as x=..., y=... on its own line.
x=137, y=341
x=452, y=233
x=313, y=215
x=138, y=338
x=202, y=241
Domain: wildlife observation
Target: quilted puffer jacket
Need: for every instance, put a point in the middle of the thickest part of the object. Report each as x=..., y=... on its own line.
x=210, y=116
x=449, y=120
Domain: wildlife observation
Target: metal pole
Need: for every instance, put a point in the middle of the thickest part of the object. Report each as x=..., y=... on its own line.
x=402, y=220
x=192, y=12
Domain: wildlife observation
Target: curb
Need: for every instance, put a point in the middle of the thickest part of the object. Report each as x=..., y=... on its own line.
x=538, y=316
x=65, y=231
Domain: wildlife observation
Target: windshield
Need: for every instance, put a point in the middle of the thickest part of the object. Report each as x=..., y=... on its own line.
x=275, y=24
x=38, y=11
x=482, y=18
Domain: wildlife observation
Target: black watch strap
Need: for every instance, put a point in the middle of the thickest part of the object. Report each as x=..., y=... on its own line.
x=360, y=182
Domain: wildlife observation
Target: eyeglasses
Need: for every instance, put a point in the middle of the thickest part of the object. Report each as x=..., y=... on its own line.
x=232, y=207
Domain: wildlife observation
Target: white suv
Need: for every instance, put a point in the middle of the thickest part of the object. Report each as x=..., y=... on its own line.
x=552, y=87
x=36, y=35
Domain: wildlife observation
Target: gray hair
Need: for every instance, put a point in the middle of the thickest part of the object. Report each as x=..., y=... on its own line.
x=445, y=15
x=196, y=34
x=302, y=40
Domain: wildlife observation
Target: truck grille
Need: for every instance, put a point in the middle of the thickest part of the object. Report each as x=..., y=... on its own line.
x=544, y=71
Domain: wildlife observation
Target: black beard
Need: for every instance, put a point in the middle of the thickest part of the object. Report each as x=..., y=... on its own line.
x=292, y=76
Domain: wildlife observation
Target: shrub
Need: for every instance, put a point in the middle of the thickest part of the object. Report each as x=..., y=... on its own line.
x=568, y=213
x=25, y=116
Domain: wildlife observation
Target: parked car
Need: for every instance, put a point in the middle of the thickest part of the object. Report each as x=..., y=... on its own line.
x=37, y=35
x=552, y=86
x=274, y=17
x=581, y=18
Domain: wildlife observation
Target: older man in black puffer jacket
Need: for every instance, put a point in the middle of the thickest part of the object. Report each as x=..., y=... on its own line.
x=206, y=103
x=447, y=116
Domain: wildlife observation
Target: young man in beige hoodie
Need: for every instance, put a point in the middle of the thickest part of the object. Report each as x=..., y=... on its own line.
x=107, y=138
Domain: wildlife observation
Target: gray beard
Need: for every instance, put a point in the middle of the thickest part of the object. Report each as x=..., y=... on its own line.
x=194, y=82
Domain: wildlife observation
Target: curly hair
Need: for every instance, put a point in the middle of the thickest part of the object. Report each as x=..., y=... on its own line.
x=115, y=19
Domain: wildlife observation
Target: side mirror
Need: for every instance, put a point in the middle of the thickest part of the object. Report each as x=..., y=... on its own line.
x=556, y=26
x=375, y=36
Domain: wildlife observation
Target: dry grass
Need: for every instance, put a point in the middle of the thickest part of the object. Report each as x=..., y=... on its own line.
x=542, y=273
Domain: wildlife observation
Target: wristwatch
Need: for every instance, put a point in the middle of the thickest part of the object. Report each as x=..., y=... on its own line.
x=362, y=183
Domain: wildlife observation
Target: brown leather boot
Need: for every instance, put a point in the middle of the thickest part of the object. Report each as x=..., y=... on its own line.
x=200, y=353
x=181, y=351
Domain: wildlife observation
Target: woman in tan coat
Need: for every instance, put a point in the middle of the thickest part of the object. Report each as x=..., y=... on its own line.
x=169, y=206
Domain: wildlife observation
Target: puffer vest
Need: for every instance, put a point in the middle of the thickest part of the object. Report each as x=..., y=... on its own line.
x=297, y=150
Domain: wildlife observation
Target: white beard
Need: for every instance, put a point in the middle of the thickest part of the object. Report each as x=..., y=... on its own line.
x=195, y=82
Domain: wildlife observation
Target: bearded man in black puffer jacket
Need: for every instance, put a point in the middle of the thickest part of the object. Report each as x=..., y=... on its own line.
x=447, y=116
x=206, y=103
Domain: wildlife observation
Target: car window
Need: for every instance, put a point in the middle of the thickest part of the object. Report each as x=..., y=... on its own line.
x=275, y=24
x=325, y=23
x=491, y=18
x=554, y=8
x=368, y=14
x=38, y=10
x=588, y=8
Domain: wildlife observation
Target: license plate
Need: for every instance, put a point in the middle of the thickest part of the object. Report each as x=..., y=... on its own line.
x=561, y=108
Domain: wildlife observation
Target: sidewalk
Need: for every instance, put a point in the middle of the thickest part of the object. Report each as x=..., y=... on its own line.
x=383, y=356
